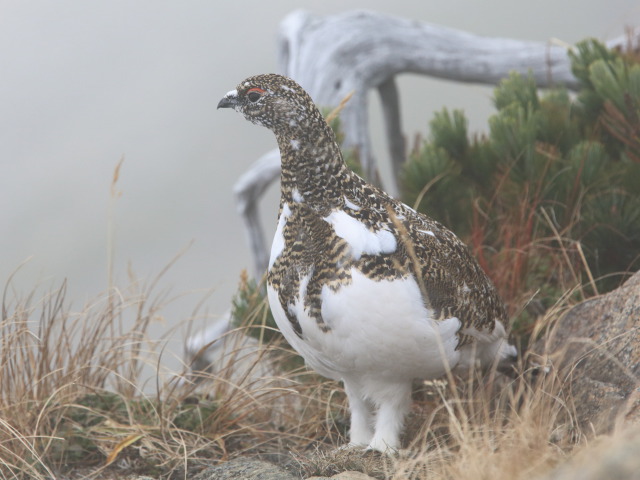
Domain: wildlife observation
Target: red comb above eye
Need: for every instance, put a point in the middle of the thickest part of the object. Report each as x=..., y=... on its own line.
x=255, y=89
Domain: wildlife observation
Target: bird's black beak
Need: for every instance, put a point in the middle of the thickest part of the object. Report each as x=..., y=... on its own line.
x=230, y=100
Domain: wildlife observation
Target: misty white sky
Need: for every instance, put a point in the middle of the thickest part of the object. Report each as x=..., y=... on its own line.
x=83, y=84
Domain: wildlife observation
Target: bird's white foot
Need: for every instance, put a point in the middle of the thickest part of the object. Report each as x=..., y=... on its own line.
x=390, y=416
x=379, y=445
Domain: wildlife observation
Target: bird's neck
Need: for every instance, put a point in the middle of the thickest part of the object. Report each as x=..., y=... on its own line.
x=313, y=169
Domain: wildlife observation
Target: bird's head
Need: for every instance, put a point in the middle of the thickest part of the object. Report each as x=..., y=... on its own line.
x=273, y=101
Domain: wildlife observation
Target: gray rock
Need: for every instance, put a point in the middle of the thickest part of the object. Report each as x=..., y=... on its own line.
x=245, y=469
x=345, y=476
x=610, y=458
x=596, y=347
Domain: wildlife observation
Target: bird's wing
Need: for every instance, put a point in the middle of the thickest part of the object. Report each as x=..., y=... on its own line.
x=452, y=281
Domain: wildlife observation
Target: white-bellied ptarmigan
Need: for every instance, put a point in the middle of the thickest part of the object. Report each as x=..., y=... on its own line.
x=366, y=289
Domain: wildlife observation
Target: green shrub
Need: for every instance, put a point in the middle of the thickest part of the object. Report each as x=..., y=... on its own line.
x=551, y=196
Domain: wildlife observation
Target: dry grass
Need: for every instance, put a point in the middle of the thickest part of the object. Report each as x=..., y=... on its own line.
x=68, y=380
x=71, y=401
x=72, y=394
x=497, y=429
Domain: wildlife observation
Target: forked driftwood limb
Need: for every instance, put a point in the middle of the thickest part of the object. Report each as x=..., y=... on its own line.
x=363, y=50
x=248, y=190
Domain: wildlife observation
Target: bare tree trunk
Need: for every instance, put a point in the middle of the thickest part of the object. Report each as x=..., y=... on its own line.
x=248, y=190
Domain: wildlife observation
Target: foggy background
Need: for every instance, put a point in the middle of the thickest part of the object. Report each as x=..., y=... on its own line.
x=83, y=84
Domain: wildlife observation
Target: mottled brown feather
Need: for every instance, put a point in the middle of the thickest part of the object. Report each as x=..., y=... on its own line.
x=452, y=282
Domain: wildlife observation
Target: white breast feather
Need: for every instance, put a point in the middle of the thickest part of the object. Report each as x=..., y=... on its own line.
x=316, y=359
x=278, y=239
x=359, y=237
x=379, y=327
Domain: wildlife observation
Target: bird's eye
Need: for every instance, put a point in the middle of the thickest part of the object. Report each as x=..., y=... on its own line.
x=254, y=94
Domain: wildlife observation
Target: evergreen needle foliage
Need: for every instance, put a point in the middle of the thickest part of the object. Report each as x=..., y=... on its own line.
x=555, y=179
x=251, y=308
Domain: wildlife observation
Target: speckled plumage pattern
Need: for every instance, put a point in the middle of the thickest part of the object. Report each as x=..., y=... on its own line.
x=343, y=256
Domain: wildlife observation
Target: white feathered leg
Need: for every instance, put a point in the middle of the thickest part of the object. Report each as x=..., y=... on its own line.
x=361, y=430
x=393, y=406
